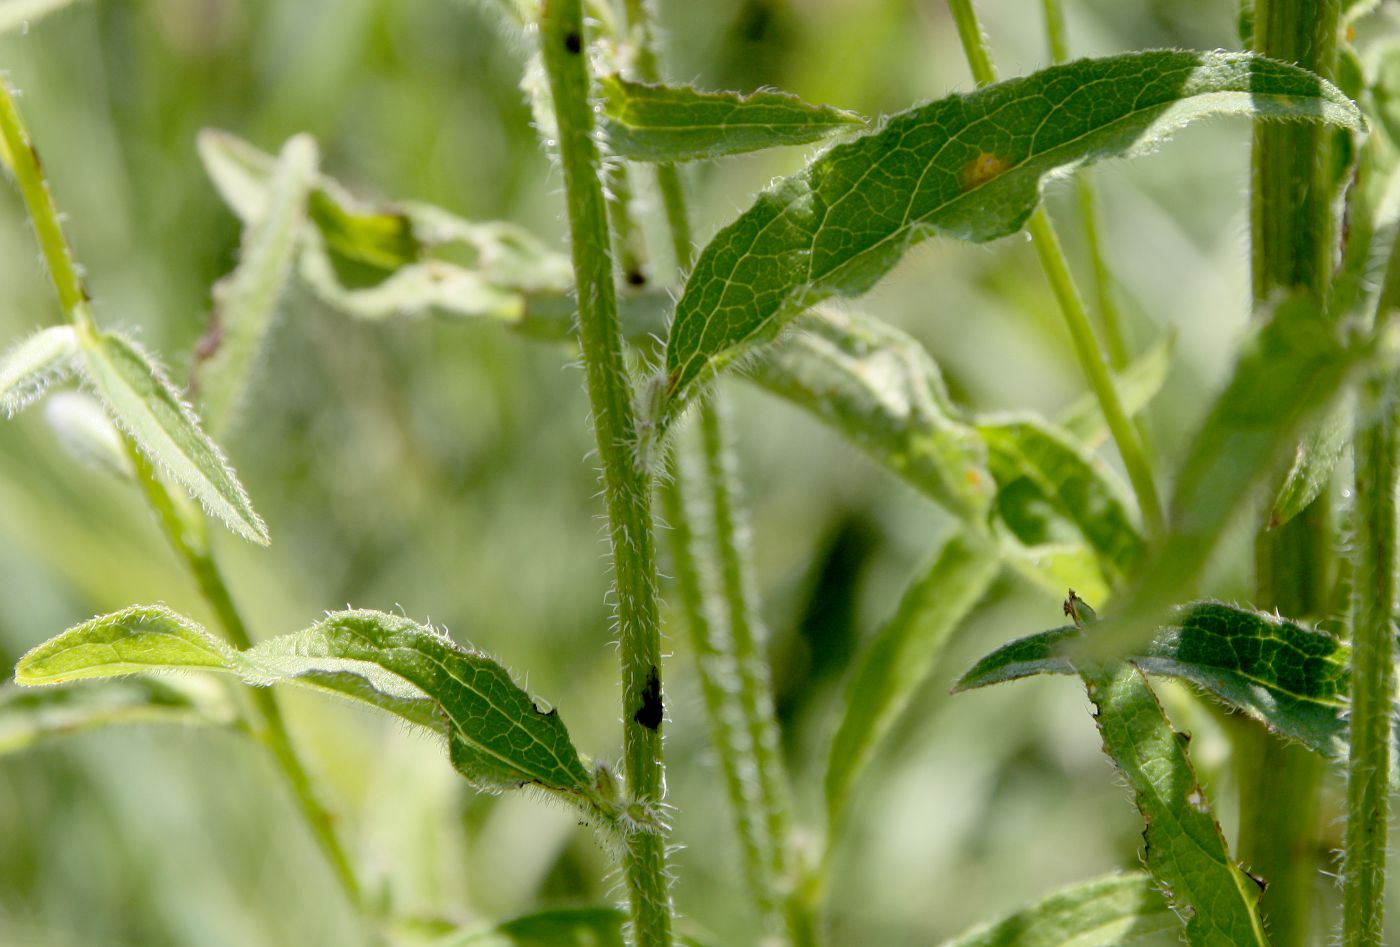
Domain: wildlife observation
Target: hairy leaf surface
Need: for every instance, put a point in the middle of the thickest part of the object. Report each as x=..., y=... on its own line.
x=668, y=124
x=900, y=658
x=497, y=737
x=143, y=403
x=245, y=300
x=968, y=166
x=1104, y=912
x=1318, y=455
x=1186, y=851
x=29, y=366
x=1291, y=678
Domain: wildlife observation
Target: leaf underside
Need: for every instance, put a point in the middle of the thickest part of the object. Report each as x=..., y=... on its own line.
x=497, y=737
x=29, y=366
x=967, y=166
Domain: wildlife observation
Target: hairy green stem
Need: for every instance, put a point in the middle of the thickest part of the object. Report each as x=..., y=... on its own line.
x=1292, y=239
x=186, y=533
x=625, y=481
x=1373, y=605
x=1057, y=271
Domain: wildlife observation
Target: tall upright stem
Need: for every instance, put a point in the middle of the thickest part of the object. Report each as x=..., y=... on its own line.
x=1086, y=345
x=625, y=481
x=1292, y=235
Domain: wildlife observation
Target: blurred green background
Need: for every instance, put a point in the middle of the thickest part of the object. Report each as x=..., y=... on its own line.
x=443, y=468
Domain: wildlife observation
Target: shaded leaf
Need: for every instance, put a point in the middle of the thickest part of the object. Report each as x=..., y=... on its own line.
x=968, y=166
x=497, y=737
x=561, y=927
x=1318, y=455
x=1287, y=372
x=1291, y=678
x=245, y=300
x=146, y=406
x=901, y=657
x=880, y=389
x=1185, y=850
x=30, y=365
x=1104, y=912
x=677, y=123
x=1044, y=479
x=1137, y=385
x=29, y=716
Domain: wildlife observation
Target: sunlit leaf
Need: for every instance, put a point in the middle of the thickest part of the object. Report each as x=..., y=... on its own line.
x=29, y=716
x=497, y=737
x=84, y=430
x=901, y=657
x=245, y=300
x=146, y=406
x=1044, y=480
x=1104, y=912
x=1185, y=850
x=968, y=166
x=1291, y=678
x=29, y=366
x=879, y=388
x=678, y=123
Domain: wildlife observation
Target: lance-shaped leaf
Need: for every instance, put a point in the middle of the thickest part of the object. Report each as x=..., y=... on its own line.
x=1291, y=678
x=1104, y=912
x=1044, y=479
x=900, y=658
x=1186, y=851
x=146, y=406
x=245, y=300
x=29, y=366
x=497, y=737
x=1288, y=372
x=667, y=124
x=881, y=390
x=968, y=166
x=29, y=716
x=1318, y=455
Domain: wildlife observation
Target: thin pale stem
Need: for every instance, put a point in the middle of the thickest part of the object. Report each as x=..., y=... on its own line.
x=185, y=533
x=1056, y=266
x=625, y=485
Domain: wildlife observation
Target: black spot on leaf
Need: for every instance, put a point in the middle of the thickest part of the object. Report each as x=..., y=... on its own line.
x=573, y=42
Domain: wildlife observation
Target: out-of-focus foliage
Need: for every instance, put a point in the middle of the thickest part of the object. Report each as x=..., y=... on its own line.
x=442, y=467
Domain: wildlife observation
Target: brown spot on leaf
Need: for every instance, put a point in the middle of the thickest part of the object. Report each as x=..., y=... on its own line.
x=982, y=169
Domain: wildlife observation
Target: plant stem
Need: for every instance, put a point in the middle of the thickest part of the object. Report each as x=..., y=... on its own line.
x=1292, y=238
x=1056, y=267
x=1372, y=640
x=625, y=484
x=185, y=533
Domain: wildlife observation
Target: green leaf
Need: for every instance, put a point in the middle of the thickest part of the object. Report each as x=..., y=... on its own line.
x=84, y=430
x=383, y=239
x=1104, y=912
x=561, y=927
x=1291, y=369
x=245, y=300
x=240, y=171
x=1317, y=457
x=667, y=124
x=147, y=407
x=1291, y=678
x=968, y=166
x=1044, y=479
x=17, y=15
x=1137, y=385
x=497, y=737
x=29, y=366
x=879, y=388
x=30, y=716
x=1186, y=851
x=900, y=659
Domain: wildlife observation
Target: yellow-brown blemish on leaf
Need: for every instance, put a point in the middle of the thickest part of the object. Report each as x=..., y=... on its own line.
x=982, y=169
